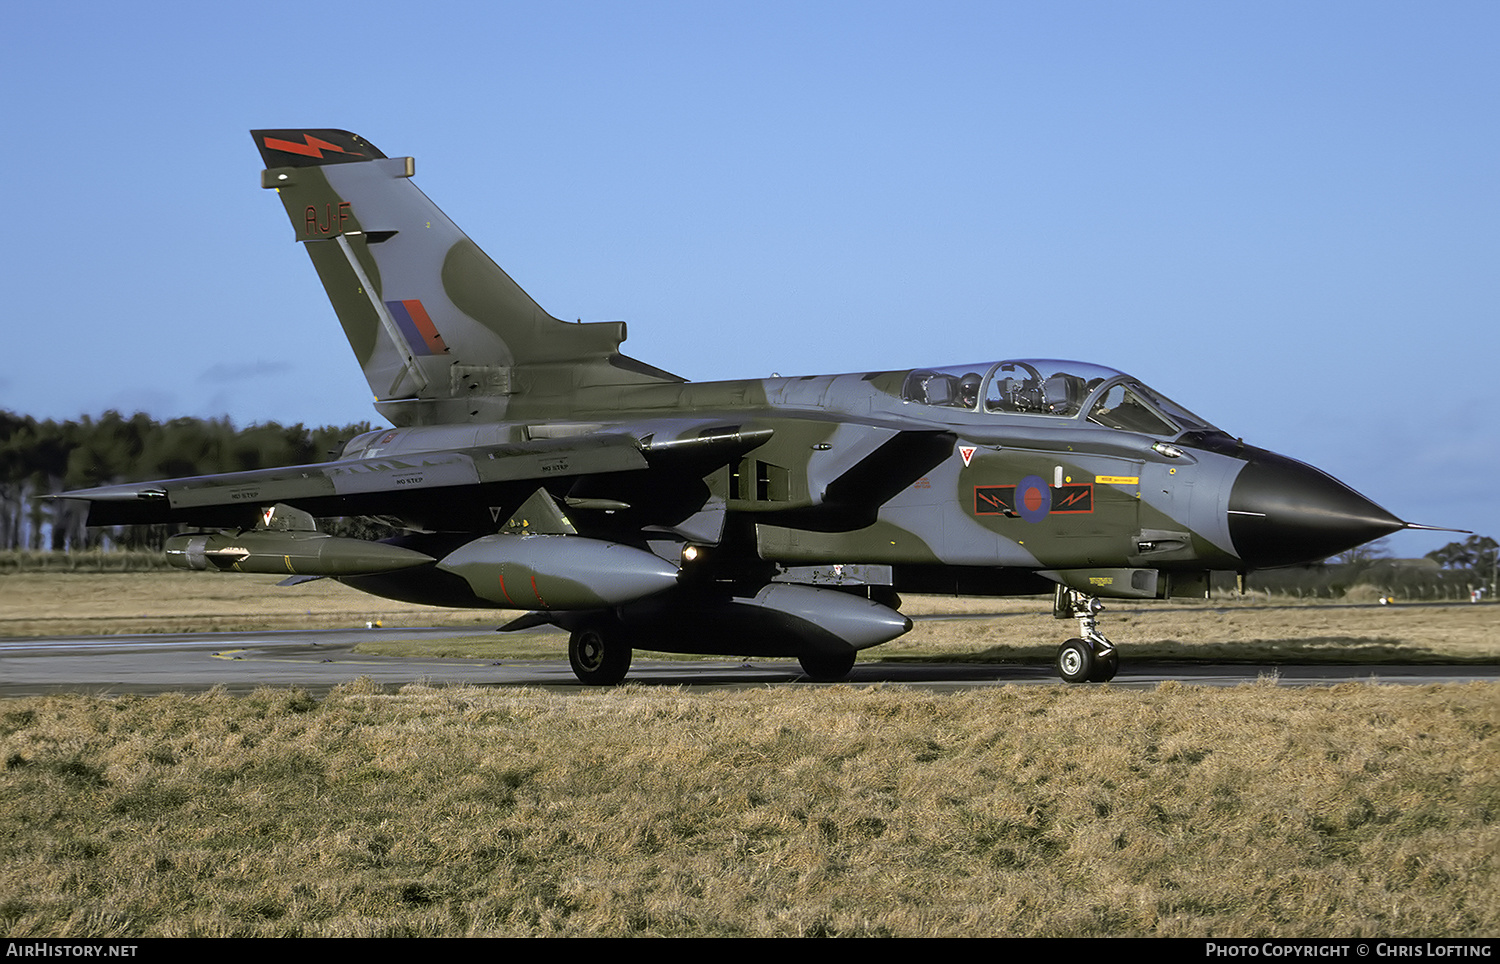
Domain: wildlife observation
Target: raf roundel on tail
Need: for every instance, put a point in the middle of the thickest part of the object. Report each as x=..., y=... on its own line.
x=536, y=467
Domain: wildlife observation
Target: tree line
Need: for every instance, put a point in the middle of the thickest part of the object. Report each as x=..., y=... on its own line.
x=46, y=457
x=1452, y=572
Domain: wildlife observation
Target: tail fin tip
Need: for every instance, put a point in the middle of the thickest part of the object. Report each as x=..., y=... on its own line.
x=312, y=147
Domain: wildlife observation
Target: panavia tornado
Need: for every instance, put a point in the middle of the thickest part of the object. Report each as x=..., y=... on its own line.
x=532, y=466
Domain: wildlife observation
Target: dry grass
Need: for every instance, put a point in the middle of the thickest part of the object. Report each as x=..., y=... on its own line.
x=174, y=601
x=1029, y=811
x=1354, y=810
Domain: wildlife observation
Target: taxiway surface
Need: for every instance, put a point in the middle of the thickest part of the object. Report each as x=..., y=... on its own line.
x=320, y=660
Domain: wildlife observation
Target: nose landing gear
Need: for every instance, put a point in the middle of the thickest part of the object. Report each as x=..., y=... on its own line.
x=1088, y=657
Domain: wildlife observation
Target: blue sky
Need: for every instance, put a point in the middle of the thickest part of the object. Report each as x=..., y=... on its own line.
x=1283, y=215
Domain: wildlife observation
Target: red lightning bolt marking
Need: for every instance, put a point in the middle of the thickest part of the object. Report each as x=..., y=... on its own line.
x=1073, y=498
x=312, y=148
x=993, y=501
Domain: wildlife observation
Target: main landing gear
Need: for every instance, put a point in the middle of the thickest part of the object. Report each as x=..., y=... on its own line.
x=1088, y=657
x=825, y=667
x=600, y=652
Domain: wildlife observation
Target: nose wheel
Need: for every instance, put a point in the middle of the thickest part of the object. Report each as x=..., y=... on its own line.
x=1088, y=657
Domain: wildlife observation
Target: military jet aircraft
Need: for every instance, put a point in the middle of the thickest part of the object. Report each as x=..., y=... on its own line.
x=532, y=466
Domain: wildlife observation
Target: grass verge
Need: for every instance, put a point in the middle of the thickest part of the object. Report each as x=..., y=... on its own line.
x=1356, y=810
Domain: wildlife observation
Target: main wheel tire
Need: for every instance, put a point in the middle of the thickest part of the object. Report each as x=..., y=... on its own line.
x=600, y=653
x=826, y=667
x=1075, y=661
x=1105, y=666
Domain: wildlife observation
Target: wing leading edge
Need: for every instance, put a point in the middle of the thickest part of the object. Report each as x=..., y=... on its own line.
x=424, y=487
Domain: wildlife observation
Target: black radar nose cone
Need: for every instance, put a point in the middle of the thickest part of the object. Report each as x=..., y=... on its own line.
x=1282, y=513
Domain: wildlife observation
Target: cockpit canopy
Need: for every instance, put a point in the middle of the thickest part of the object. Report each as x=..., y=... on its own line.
x=1047, y=387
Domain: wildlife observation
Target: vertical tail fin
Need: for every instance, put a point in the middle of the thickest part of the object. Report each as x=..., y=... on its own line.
x=442, y=332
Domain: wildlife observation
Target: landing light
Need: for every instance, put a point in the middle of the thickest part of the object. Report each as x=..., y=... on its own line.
x=689, y=553
x=1170, y=451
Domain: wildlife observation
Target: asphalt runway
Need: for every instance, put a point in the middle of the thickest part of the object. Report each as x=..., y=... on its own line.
x=320, y=660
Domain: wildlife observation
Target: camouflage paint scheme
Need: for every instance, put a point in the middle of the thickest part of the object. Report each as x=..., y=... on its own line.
x=536, y=467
